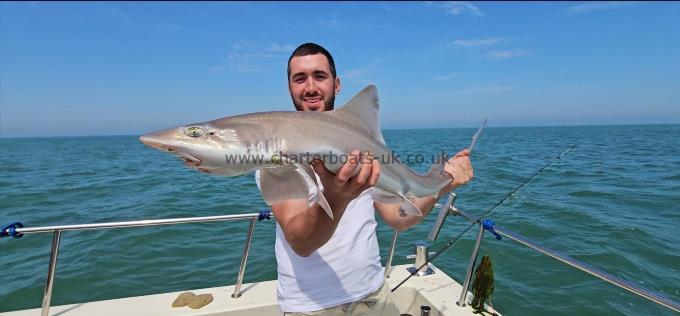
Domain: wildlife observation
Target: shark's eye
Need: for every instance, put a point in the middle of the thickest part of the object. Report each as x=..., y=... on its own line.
x=194, y=131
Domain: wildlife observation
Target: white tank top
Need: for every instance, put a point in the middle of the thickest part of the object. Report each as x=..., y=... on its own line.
x=345, y=269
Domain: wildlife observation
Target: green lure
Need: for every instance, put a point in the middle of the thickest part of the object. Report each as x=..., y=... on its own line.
x=482, y=286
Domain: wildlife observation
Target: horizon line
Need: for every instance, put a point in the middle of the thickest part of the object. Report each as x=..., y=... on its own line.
x=382, y=129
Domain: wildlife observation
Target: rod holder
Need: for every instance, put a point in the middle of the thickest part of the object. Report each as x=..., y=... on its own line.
x=421, y=257
x=425, y=310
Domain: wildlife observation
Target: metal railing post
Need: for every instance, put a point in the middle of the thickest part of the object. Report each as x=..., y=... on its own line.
x=390, y=255
x=49, y=283
x=244, y=260
x=471, y=266
x=443, y=212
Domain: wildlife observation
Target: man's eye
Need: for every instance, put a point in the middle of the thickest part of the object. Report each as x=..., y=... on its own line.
x=320, y=77
x=299, y=80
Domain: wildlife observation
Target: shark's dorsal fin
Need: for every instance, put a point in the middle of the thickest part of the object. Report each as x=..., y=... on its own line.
x=362, y=110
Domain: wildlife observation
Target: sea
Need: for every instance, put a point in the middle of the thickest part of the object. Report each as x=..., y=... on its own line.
x=612, y=202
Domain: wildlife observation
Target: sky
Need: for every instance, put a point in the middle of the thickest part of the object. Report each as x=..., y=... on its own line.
x=109, y=68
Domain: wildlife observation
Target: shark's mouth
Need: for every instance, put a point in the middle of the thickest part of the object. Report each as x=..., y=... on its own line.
x=190, y=160
x=193, y=162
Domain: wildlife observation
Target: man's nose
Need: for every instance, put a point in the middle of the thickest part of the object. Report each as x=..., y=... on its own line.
x=311, y=86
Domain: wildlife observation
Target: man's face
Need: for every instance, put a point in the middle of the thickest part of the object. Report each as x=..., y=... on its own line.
x=311, y=84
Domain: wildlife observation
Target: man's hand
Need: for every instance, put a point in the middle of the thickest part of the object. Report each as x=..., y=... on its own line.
x=460, y=170
x=343, y=187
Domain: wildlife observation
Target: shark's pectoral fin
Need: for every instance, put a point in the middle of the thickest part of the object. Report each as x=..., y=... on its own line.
x=292, y=182
x=405, y=204
x=383, y=196
x=306, y=171
x=282, y=183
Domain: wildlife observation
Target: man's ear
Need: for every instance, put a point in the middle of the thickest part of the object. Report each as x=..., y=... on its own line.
x=337, y=85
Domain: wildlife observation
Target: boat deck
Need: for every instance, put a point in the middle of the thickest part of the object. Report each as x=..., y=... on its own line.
x=438, y=290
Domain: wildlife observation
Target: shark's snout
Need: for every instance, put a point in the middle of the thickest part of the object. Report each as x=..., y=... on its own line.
x=159, y=140
x=166, y=141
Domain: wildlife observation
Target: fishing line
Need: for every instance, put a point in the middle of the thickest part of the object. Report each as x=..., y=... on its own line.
x=479, y=219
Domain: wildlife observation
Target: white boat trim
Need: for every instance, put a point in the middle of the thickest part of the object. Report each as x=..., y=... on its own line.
x=438, y=290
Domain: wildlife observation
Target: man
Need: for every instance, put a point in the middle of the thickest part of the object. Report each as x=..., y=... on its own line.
x=332, y=266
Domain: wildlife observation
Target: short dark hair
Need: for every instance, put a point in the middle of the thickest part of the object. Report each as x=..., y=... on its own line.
x=312, y=49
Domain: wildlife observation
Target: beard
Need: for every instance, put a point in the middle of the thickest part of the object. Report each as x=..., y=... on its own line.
x=328, y=105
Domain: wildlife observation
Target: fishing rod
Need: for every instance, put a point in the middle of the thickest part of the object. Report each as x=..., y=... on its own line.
x=478, y=221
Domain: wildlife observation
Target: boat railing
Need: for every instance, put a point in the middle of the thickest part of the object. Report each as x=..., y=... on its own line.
x=446, y=209
x=449, y=208
x=17, y=230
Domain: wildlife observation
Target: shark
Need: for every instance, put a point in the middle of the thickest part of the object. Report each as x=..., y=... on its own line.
x=282, y=145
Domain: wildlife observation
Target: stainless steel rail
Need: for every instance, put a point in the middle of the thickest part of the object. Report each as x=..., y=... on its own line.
x=390, y=254
x=47, y=293
x=148, y=222
x=598, y=273
x=471, y=267
x=244, y=260
x=57, y=230
x=441, y=217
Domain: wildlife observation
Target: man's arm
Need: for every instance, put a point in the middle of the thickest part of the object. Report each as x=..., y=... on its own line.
x=308, y=228
x=460, y=169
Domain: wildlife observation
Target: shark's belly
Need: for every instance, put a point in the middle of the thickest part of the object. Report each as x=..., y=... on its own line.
x=394, y=176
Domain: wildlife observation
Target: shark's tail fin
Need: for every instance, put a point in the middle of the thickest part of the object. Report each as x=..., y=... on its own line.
x=437, y=172
x=475, y=137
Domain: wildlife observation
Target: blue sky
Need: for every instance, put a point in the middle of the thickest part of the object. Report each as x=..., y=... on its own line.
x=129, y=68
